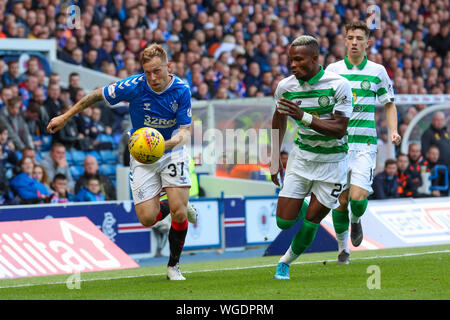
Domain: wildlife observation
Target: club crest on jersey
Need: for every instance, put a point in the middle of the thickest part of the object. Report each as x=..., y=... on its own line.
x=324, y=101
x=174, y=106
x=365, y=85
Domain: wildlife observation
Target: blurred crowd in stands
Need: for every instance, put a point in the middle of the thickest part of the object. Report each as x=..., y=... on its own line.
x=423, y=171
x=222, y=48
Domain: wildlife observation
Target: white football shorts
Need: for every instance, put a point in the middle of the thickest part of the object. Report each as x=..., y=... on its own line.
x=149, y=180
x=325, y=179
x=361, y=166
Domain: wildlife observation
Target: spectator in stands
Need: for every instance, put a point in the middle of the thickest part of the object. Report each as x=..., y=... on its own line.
x=65, y=54
x=69, y=135
x=35, y=126
x=8, y=157
x=90, y=170
x=16, y=124
x=6, y=194
x=5, y=94
x=253, y=77
x=60, y=192
x=53, y=103
x=41, y=175
x=415, y=158
x=30, y=153
x=55, y=162
x=27, y=87
x=406, y=187
x=430, y=161
x=90, y=59
x=32, y=66
x=12, y=76
x=100, y=133
x=27, y=188
x=74, y=84
x=438, y=134
x=92, y=191
x=77, y=56
x=284, y=158
x=202, y=92
x=385, y=184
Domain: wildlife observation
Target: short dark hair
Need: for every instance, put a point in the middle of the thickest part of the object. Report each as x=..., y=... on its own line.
x=389, y=162
x=361, y=25
x=14, y=101
x=309, y=41
x=59, y=176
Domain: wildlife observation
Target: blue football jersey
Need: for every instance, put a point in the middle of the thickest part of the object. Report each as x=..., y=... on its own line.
x=164, y=111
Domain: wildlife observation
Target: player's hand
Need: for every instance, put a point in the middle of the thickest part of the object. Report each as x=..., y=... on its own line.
x=289, y=108
x=396, y=138
x=57, y=123
x=274, y=171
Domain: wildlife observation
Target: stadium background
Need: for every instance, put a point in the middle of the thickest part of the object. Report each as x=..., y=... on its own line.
x=232, y=54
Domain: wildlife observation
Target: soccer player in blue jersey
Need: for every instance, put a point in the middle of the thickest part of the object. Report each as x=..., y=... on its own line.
x=162, y=101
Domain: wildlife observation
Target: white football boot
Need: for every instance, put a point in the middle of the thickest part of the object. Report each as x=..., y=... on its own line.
x=174, y=273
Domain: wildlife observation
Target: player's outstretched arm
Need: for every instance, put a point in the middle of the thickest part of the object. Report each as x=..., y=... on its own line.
x=57, y=123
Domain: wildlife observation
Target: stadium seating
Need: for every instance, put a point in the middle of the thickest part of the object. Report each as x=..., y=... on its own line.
x=108, y=156
x=77, y=156
x=69, y=158
x=46, y=142
x=76, y=171
x=108, y=169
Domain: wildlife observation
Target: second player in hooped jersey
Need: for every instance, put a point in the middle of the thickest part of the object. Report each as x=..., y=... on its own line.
x=164, y=111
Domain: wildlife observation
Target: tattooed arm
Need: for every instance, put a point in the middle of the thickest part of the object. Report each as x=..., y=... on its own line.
x=57, y=123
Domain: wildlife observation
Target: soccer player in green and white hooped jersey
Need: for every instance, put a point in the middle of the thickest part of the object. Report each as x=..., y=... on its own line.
x=369, y=82
x=321, y=104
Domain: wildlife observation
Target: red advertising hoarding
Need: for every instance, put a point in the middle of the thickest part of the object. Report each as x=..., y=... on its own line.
x=57, y=246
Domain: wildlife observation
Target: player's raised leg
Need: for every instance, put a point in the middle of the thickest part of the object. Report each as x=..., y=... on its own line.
x=151, y=211
x=178, y=200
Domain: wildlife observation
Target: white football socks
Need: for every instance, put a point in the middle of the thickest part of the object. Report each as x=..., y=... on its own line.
x=342, y=240
x=355, y=219
x=289, y=256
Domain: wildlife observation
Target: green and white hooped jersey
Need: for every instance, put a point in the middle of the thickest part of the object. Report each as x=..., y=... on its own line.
x=369, y=81
x=323, y=95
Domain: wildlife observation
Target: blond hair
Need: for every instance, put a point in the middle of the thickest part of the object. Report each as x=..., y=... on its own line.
x=152, y=51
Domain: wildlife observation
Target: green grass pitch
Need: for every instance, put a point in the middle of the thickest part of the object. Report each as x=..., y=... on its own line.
x=406, y=273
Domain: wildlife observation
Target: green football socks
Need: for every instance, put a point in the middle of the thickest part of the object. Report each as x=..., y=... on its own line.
x=341, y=220
x=286, y=224
x=358, y=208
x=304, y=237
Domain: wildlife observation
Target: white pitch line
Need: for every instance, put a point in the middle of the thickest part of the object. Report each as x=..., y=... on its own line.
x=223, y=269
